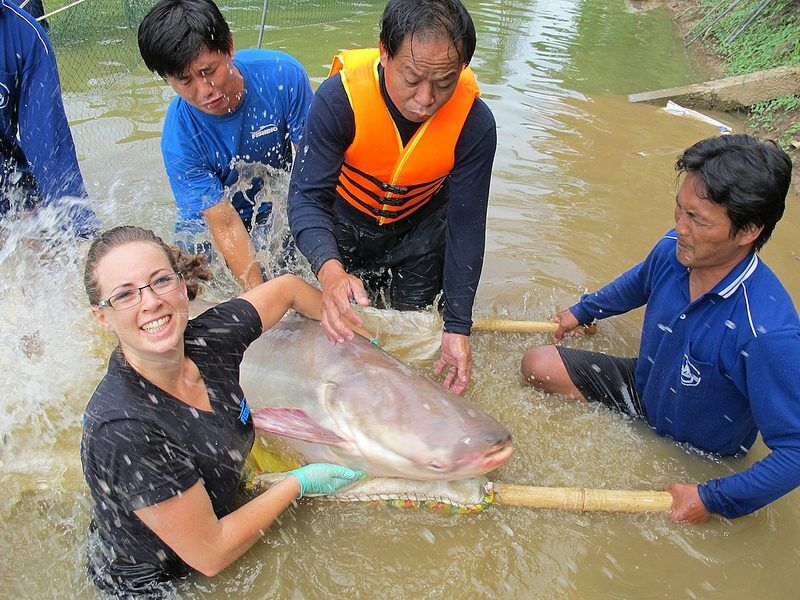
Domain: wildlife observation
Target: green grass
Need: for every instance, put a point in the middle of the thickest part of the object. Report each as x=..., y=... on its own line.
x=772, y=40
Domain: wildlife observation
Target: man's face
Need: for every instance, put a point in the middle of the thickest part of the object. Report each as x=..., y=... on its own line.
x=420, y=84
x=704, y=231
x=211, y=83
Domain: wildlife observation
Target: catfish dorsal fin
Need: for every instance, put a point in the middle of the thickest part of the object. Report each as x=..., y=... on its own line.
x=296, y=424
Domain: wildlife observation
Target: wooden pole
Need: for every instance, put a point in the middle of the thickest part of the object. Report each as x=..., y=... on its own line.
x=581, y=499
x=509, y=326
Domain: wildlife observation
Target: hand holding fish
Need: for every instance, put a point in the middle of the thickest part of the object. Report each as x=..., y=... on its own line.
x=338, y=289
x=456, y=360
x=324, y=478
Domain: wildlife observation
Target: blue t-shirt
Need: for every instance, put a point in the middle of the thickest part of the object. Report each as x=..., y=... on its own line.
x=36, y=148
x=200, y=150
x=716, y=371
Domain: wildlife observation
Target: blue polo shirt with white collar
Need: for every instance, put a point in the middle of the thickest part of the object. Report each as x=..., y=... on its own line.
x=716, y=371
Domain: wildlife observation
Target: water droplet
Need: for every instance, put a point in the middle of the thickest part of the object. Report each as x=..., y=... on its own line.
x=427, y=535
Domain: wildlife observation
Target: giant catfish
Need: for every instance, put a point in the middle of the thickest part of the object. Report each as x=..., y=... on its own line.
x=355, y=405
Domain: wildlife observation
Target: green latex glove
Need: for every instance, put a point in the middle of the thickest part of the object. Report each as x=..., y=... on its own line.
x=324, y=478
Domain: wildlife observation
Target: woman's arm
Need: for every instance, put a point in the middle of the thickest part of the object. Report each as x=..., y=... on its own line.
x=188, y=525
x=273, y=298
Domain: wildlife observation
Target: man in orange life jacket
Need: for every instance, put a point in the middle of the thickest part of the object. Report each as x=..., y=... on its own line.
x=390, y=192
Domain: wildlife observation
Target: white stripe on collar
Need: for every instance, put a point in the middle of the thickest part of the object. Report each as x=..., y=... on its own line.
x=749, y=314
x=743, y=276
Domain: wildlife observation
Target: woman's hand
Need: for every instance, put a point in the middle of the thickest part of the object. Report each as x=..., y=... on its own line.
x=324, y=478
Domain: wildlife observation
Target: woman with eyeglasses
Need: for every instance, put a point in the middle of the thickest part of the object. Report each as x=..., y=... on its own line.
x=167, y=431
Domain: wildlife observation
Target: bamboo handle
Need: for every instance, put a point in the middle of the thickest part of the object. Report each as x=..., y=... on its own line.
x=514, y=326
x=509, y=326
x=581, y=499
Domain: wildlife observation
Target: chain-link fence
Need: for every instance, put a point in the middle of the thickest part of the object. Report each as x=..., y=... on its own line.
x=102, y=74
x=97, y=38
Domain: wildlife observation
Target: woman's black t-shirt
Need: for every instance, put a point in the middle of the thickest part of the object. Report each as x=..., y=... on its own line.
x=142, y=446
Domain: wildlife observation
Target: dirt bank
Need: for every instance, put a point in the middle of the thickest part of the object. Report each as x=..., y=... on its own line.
x=686, y=17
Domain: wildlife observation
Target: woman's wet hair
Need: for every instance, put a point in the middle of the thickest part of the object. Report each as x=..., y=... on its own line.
x=175, y=32
x=426, y=19
x=748, y=177
x=193, y=267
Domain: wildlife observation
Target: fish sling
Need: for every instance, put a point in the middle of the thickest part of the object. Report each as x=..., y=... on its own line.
x=354, y=404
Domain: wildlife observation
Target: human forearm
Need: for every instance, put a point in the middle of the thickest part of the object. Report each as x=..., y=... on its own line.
x=621, y=295
x=468, y=201
x=237, y=532
x=187, y=523
x=319, y=246
x=765, y=481
x=47, y=143
x=330, y=128
x=233, y=243
x=273, y=298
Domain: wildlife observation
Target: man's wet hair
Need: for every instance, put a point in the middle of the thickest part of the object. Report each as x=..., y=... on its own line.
x=175, y=32
x=748, y=177
x=425, y=19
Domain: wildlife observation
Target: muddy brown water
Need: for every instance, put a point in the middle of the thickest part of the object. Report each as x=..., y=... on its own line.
x=583, y=186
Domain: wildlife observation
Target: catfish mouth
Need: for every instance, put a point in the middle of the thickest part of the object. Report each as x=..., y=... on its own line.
x=497, y=455
x=479, y=463
x=388, y=462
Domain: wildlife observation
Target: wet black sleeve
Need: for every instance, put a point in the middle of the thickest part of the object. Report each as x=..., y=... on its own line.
x=330, y=129
x=224, y=332
x=132, y=463
x=466, y=217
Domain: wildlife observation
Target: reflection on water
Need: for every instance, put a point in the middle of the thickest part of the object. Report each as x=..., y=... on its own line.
x=583, y=186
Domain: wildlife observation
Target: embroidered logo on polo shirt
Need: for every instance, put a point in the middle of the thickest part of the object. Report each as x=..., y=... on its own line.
x=690, y=376
x=264, y=130
x=5, y=94
x=244, y=411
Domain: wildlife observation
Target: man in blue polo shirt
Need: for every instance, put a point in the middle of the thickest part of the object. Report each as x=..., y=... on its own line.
x=229, y=112
x=720, y=346
x=38, y=166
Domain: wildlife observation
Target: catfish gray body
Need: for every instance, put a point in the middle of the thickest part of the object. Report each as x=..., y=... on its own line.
x=355, y=405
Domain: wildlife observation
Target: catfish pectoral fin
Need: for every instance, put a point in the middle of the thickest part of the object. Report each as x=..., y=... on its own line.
x=296, y=424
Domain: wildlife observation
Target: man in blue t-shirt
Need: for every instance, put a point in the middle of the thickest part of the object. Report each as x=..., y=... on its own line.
x=721, y=337
x=229, y=111
x=38, y=165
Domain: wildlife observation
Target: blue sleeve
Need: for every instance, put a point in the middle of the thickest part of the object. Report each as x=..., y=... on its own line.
x=193, y=181
x=628, y=291
x=771, y=371
x=44, y=132
x=467, y=205
x=300, y=97
x=330, y=129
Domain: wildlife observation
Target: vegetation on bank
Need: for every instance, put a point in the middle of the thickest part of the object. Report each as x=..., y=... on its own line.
x=750, y=36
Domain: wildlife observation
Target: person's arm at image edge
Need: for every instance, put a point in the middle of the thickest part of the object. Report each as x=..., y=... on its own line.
x=233, y=242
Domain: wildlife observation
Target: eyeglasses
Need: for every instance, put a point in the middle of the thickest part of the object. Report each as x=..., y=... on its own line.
x=130, y=298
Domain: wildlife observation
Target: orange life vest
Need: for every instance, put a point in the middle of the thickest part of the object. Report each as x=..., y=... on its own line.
x=379, y=176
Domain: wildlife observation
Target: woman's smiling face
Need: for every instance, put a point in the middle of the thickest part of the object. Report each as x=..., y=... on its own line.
x=154, y=326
